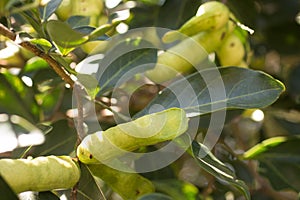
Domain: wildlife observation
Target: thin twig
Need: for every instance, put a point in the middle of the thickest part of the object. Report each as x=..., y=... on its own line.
x=59, y=69
x=7, y=33
x=79, y=94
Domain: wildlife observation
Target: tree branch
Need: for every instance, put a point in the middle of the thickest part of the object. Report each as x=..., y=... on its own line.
x=60, y=70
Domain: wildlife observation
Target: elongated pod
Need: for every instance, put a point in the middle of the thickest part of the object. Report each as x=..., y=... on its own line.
x=40, y=174
x=182, y=57
x=147, y=130
x=211, y=15
x=120, y=181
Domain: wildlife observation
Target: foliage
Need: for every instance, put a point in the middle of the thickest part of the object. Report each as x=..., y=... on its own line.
x=239, y=127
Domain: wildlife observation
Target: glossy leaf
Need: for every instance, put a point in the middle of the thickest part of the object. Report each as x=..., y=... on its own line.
x=212, y=165
x=138, y=57
x=49, y=9
x=88, y=187
x=279, y=161
x=45, y=44
x=64, y=37
x=230, y=87
x=120, y=181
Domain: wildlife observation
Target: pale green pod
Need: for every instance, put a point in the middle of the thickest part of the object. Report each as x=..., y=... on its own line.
x=232, y=51
x=211, y=15
x=40, y=174
x=147, y=130
x=181, y=58
x=120, y=181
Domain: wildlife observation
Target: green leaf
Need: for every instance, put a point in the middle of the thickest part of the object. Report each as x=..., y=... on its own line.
x=45, y=44
x=47, y=196
x=77, y=21
x=64, y=37
x=88, y=186
x=127, y=185
x=177, y=189
x=235, y=83
x=59, y=141
x=34, y=64
x=279, y=161
x=6, y=192
x=155, y=196
x=49, y=9
x=212, y=165
x=17, y=98
x=118, y=67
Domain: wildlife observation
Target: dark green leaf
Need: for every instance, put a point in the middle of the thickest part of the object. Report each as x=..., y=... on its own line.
x=47, y=196
x=77, y=21
x=155, y=196
x=59, y=141
x=117, y=67
x=17, y=98
x=6, y=192
x=217, y=89
x=88, y=187
x=279, y=161
x=49, y=9
x=127, y=185
x=177, y=189
x=211, y=164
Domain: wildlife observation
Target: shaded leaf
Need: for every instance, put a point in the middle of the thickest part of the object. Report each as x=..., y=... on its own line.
x=88, y=187
x=177, y=189
x=47, y=196
x=117, y=66
x=218, y=89
x=6, y=192
x=59, y=141
x=128, y=185
x=49, y=9
x=155, y=196
x=211, y=164
x=77, y=21
x=17, y=98
x=279, y=161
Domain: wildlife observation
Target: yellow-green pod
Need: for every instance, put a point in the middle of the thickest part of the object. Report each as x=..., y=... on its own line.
x=147, y=130
x=211, y=15
x=181, y=58
x=232, y=51
x=120, y=181
x=40, y=174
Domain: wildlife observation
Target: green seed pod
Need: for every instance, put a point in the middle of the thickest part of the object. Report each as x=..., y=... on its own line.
x=232, y=51
x=117, y=180
x=147, y=130
x=40, y=174
x=182, y=57
x=211, y=15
